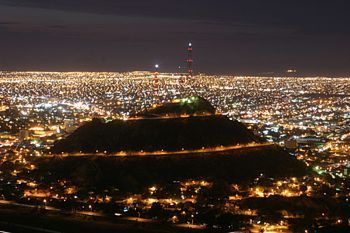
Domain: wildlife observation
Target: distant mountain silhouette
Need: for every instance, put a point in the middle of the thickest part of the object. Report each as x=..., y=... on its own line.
x=160, y=128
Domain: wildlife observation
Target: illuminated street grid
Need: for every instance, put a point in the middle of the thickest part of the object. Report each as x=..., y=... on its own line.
x=310, y=117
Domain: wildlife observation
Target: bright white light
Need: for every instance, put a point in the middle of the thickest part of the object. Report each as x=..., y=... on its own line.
x=156, y=66
x=190, y=44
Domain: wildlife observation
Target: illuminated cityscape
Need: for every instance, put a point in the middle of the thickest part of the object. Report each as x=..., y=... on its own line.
x=177, y=116
x=309, y=117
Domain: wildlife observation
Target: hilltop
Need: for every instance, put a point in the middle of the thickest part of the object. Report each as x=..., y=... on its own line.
x=188, y=124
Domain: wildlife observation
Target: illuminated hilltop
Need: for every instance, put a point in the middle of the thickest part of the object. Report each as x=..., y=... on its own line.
x=191, y=106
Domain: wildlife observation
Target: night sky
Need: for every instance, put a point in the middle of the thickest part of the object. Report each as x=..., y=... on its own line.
x=229, y=36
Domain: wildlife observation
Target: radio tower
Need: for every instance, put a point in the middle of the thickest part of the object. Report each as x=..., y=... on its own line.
x=189, y=60
x=155, y=84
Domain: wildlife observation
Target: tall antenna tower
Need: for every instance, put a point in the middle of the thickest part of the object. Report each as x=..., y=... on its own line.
x=155, y=84
x=189, y=60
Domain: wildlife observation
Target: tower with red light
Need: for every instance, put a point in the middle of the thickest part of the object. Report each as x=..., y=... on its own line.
x=189, y=60
x=156, y=84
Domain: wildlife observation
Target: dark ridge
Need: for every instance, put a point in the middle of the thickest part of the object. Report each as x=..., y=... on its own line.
x=134, y=173
x=156, y=134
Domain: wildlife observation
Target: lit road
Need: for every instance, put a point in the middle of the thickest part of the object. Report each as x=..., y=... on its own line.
x=169, y=117
x=269, y=228
x=5, y=202
x=55, y=210
x=197, y=151
x=191, y=226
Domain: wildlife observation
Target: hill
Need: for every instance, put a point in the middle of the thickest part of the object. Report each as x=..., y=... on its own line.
x=187, y=126
x=172, y=127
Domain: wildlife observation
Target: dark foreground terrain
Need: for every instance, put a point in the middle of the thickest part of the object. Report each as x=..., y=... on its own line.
x=27, y=220
x=16, y=219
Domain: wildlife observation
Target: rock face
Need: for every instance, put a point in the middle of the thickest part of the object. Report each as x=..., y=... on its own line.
x=187, y=124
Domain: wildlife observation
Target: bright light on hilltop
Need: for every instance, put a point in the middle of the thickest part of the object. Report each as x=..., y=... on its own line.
x=189, y=100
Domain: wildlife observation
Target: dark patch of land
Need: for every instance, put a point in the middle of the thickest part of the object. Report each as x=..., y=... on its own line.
x=132, y=173
x=31, y=220
x=156, y=134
